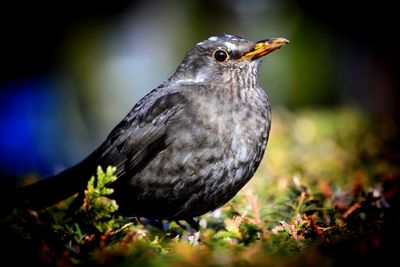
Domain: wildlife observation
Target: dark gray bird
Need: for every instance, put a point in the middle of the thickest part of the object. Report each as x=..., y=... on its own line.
x=189, y=145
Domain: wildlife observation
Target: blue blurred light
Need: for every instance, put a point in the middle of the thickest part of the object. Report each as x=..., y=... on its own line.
x=27, y=113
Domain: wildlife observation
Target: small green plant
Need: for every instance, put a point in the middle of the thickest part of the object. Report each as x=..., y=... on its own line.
x=98, y=207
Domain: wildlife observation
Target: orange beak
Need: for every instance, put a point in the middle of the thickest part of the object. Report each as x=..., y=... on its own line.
x=264, y=47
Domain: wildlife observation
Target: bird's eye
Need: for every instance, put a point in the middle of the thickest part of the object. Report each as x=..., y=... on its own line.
x=221, y=55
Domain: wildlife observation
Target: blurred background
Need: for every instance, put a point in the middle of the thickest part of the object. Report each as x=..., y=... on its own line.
x=71, y=70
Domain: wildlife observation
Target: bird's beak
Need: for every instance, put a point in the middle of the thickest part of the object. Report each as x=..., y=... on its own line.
x=264, y=47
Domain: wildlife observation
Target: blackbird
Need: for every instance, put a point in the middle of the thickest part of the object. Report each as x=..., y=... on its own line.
x=188, y=146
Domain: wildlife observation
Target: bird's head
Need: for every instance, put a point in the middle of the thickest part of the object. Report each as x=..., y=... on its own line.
x=221, y=57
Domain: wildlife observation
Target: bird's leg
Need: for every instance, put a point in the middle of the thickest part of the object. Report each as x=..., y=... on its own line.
x=192, y=233
x=194, y=224
x=184, y=227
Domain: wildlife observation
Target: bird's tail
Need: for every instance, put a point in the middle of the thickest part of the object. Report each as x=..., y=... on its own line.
x=52, y=189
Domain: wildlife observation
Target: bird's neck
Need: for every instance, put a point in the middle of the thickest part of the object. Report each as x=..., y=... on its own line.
x=240, y=87
x=233, y=87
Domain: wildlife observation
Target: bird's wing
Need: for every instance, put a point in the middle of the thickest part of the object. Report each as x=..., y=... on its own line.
x=130, y=146
x=143, y=133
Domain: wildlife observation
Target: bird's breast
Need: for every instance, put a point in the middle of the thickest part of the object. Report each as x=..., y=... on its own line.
x=211, y=156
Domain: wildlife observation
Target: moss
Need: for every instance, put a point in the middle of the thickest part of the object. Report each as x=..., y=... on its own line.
x=315, y=197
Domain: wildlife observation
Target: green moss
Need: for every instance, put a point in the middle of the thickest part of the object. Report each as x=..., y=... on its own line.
x=315, y=190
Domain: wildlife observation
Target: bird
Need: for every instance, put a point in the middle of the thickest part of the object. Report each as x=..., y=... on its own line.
x=189, y=145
